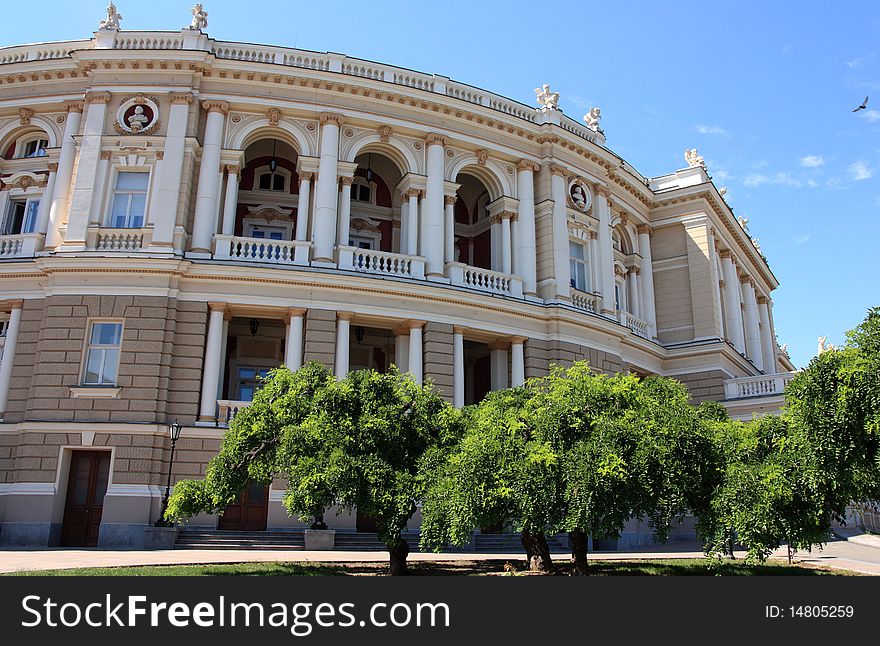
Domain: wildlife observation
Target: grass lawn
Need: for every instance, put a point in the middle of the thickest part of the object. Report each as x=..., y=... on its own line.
x=670, y=567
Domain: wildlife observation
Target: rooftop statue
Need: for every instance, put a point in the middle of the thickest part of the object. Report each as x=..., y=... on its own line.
x=546, y=99
x=693, y=158
x=592, y=119
x=200, y=18
x=112, y=21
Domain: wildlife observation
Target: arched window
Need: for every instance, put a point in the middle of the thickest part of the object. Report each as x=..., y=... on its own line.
x=32, y=145
x=362, y=191
x=266, y=180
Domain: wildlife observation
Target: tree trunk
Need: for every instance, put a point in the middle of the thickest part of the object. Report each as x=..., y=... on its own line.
x=579, y=561
x=397, y=552
x=537, y=551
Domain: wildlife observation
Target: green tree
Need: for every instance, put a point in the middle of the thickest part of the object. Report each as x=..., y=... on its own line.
x=362, y=443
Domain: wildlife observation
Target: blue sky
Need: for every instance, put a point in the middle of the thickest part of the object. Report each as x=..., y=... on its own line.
x=764, y=90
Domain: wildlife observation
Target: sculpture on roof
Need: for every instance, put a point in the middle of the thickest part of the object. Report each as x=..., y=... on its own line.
x=592, y=119
x=546, y=99
x=823, y=346
x=744, y=223
x=200, y=18
x=693, y=158
x=111, y=23
x=722, y=191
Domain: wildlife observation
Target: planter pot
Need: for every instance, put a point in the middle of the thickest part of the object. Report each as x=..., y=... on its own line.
x=160, y=538
x=320, y=539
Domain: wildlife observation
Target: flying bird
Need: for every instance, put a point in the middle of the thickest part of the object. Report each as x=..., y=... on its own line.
x=863, y=106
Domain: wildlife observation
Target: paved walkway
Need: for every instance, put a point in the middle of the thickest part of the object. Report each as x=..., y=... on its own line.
x=857, y=552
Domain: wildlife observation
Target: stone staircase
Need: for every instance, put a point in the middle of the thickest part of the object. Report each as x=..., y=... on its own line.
x=196, y=539
x=511, y=543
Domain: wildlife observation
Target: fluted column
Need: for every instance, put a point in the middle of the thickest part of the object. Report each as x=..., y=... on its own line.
x=432, y=237
x=506, y=255
x=213, y=362
x=84, y=196
x=208, y=192
x=606, y=254
x=302, y=209
x=716, y=287
x=517, y=362
x=230, y=206
x=649, y=309
x=343, y=339
x=415, y=350
x=634, y=298
x=594, y=263
x=9, y=354
x=224, y=344
x=449, y=226
x=561, y=267
x=733, y=303
x=344, y=209
x=66, y=159
x=293, y=347
x=525, y=260
x=753, y=334
x=324, y=225
x=458, y=367
x=412, y=222
x=768, y=343
x=163, y=210
x=42, y=224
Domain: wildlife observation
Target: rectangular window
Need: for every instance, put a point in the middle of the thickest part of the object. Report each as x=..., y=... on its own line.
x=21, y=217
x=249, y=382
x=102, y=354
x=362, y=242
x=35, y=148
x=129, y=200
x=578, y=266
x=270, y=233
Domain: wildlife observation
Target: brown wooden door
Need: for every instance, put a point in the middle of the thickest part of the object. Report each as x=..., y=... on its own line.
x=86, y=487
x=249, y=512
x=366, y=523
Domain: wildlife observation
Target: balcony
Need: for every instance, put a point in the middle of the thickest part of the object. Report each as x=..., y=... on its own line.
x=585, y=301
x=21, y=245
x=382, y=263
x=227, y=409
x=484, y=280
x=261, y=250
x=636, y=325
x=121, y=240
x=760, y=386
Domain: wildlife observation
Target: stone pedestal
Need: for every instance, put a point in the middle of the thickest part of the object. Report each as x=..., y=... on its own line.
x=320, y=539
x=160, y=538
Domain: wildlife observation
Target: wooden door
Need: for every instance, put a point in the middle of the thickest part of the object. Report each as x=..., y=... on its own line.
x=249, y=512
x=86, y=487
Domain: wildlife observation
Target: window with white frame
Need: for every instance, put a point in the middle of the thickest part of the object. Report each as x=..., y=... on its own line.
x=578, y=266
x=102, y=354
x=21, y=216
x=250, y=380
x=361, y=190
x=31, y=147
x=129, y=200
x=269, y=181
x=273, y=230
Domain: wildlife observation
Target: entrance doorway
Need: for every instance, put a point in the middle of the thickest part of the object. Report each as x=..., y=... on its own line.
x=84, y=504
x=249, y=512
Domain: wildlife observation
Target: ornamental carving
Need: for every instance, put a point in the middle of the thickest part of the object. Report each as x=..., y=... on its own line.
x=24, y=116
x=384, y=133
x=694, y=159
x=216, y=106
x=364, y=224
x=199, y=18
x=548, y=100
x=111, y=22
x=592, y=119
x=482, y=156
x=274, y=116
x=138, y=115
x=579, y=196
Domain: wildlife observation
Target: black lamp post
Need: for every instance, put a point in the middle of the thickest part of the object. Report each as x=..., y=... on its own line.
x=174, y=432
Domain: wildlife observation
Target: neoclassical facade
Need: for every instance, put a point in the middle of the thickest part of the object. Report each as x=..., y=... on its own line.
x=180, y=215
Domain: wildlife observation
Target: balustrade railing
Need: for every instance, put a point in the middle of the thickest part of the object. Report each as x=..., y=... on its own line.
x=584, y=300
x=381, y=262
x=227, y=409
x=21, y=245
x=636, y=325
x=760, y=386
x=484, y=280
x=261, y=250
x=120, y=240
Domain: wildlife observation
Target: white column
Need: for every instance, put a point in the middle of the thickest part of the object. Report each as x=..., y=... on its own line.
x=634, y=299
x=163, y=210
x=96, y=218
x=716, y=288
x=66, y=158
x=302, y=209
x=525, y=260
x=403, y=235
x=649, y=310
x=82, y=200
x=594, y=263
x=324, y=225
x=9, y=355
x=401, y=350
x=412, y=222
x=223, y=345
x=415, y=350
x=517, y=362
x=213, y=362
x=432, y=241
x=449, y=228
x=606, y=254
x=42, y=223
x=458, y=367
x=733, y=303
x=506, y=257
x=561, y=254
x=205, y=219
x=344, y=210
x=498, y=366
x=495, y=244
x=753, y=334
x=230, y=205
x=768, y=349
x=293, y=347
x=343, y=329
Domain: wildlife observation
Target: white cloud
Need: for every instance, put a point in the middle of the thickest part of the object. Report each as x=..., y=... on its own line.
x=870, y=115
x=813, y=161
x=861, y=61
x=712, y=130
x=802, y=239
x=859, y=171
x=755, y=179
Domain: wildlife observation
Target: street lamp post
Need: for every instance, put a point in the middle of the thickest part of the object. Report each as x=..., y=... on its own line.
x=174, y=432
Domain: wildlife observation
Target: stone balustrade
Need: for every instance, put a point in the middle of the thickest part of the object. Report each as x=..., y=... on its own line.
x=262, y=250
x=227, y=409
x=21, y=245
x=484, y=280
x=760, y=386
x=383, y=263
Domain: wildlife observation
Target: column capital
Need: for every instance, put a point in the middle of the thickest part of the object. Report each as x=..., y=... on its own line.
x=74, y=106
x=216, y=106
x=52, y=166
x=593, y=234
x=762, y=300
x=433, y=138
x=725, y=254
x=634, y=270
x=106, y=155
x=503, y=215
x=560, y=171
x=413, y=192
x=217, y=306
x=345, y=180
x=331, y=117
x=96, y=97
x=306, y=176
x=232, y=169
x=518, y=340
x=344, y=316
x=180, y=97
x=457, y=329
x=525, y=164
x=450, y=200
x=293, y=312
x=414, y=324
x=603, y=192
x=15, y=304
x=644, y=228
x=745, y=279
x=499, y=344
